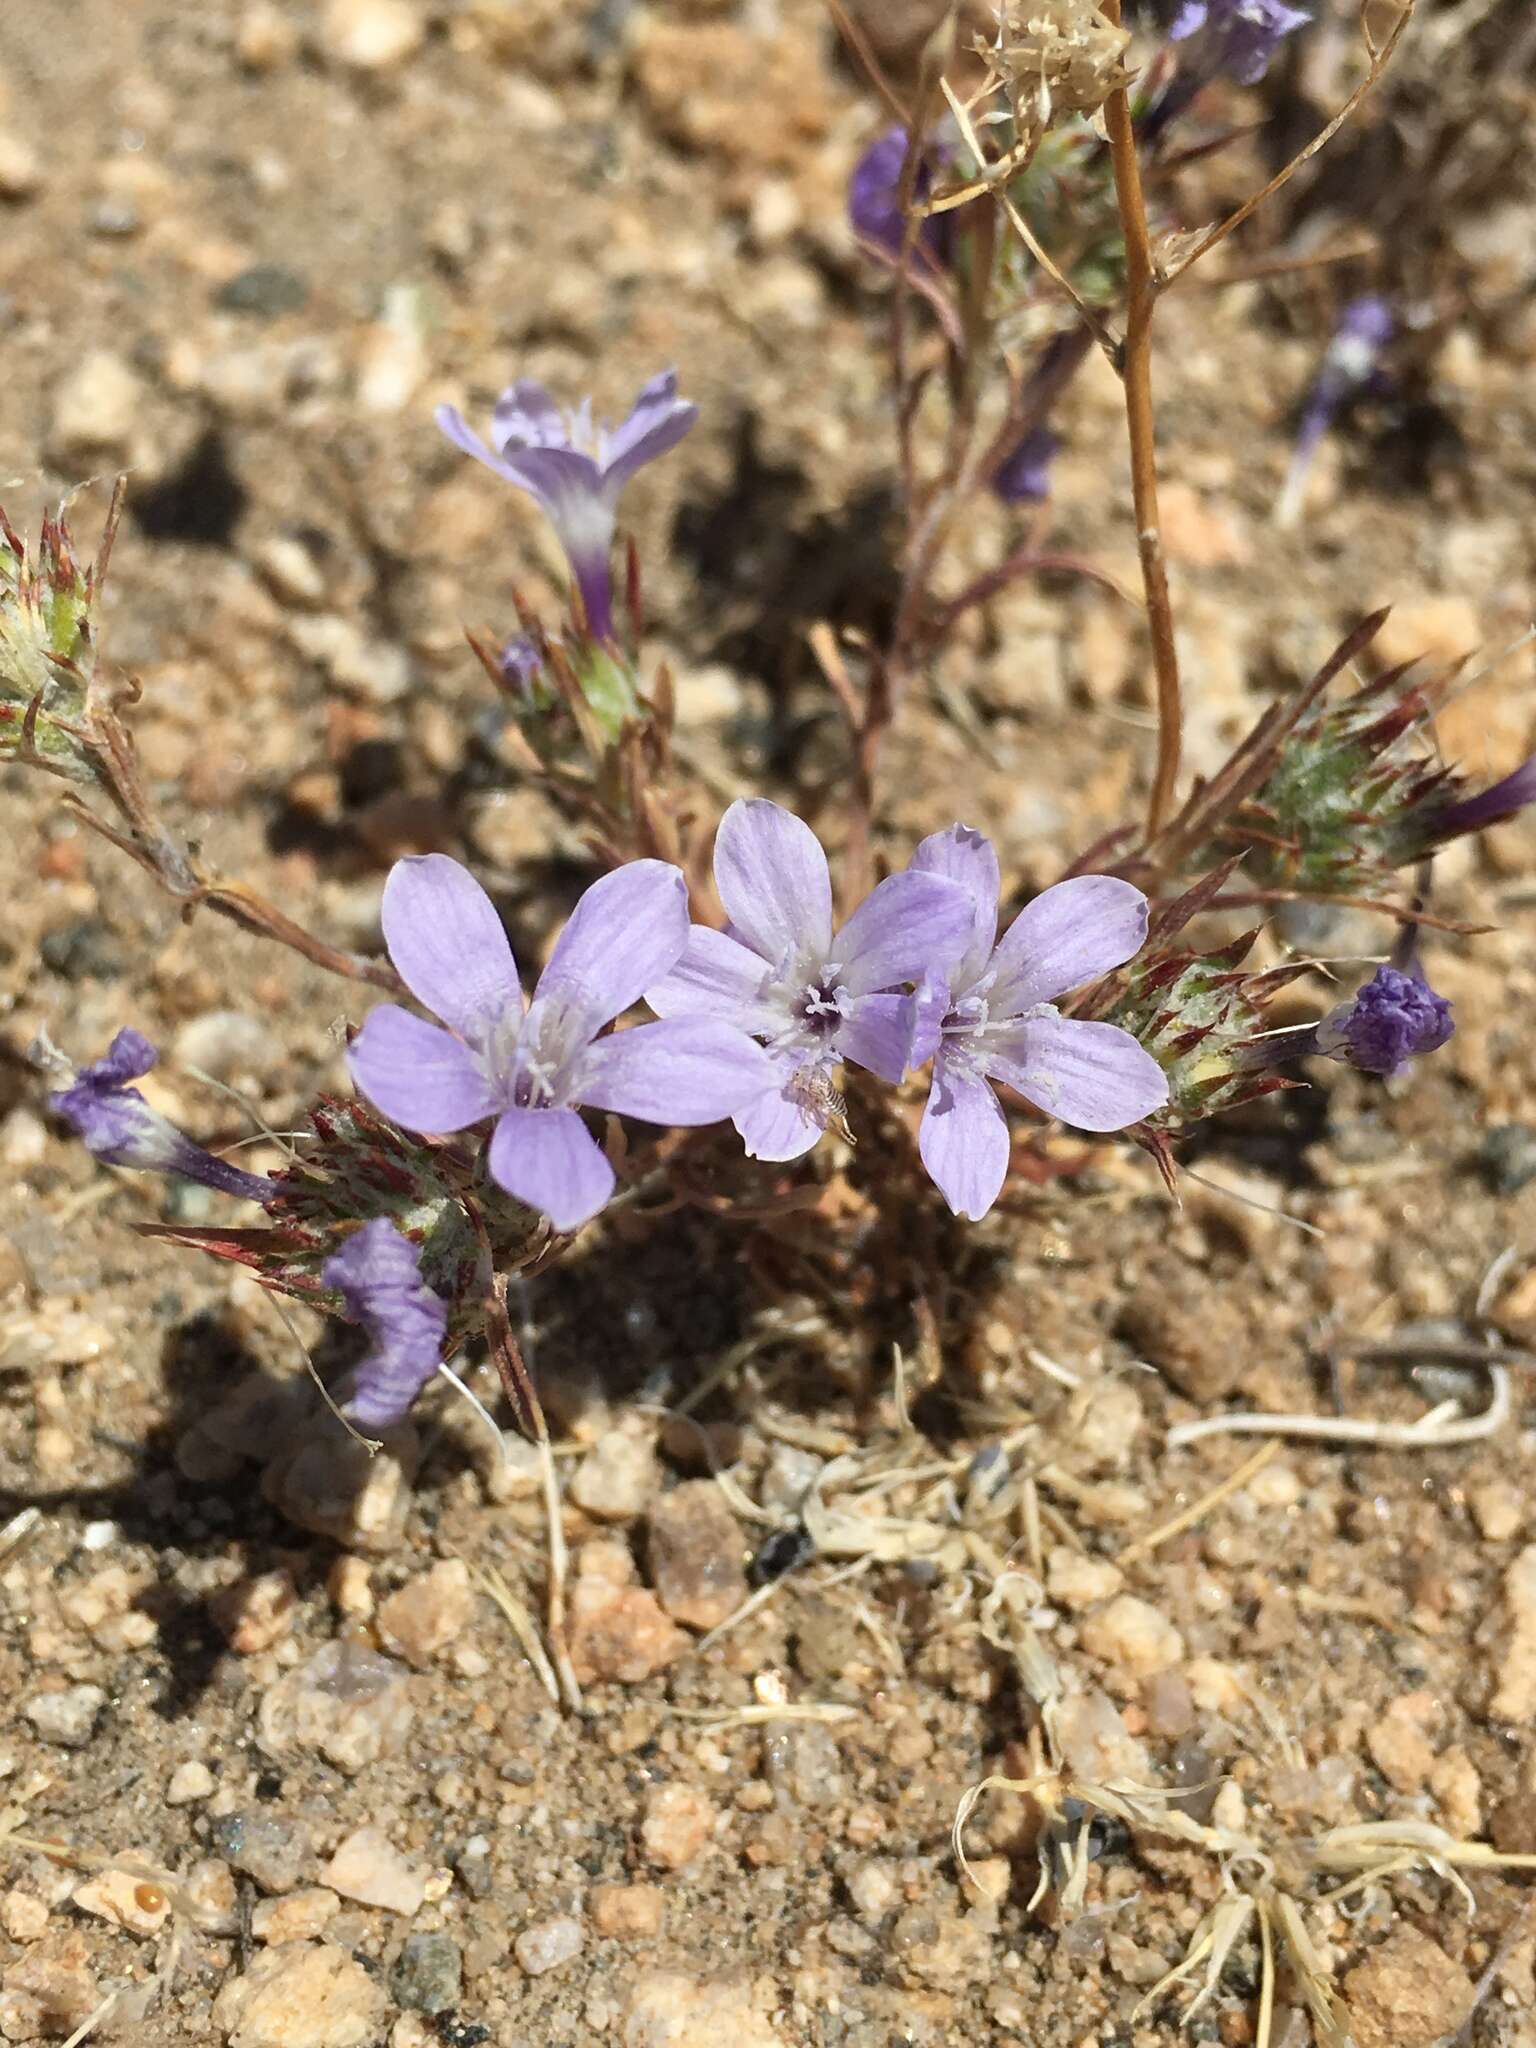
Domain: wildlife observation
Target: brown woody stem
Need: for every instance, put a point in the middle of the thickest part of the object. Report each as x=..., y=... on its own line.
x=1136, y=376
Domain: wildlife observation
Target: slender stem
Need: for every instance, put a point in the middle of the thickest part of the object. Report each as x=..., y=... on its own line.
x=1136, y=375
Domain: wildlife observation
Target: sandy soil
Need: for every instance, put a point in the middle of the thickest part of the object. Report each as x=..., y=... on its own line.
x=244, y=266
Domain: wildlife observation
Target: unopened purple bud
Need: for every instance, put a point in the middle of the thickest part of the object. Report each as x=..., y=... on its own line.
x=874, y=197
x=1490, y=807
x=377, y=1272
x=119, y=1127
x=1024, y=476
x=521, y=664
x=1394, y=1018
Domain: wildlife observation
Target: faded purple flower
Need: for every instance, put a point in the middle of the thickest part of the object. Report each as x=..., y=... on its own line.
x=1490, y=806
x=992, y=1019
x=1023, y=477
x=119, y=1127
x=377, y=1272
x=812, y=994
x=874, y=198
x=1347, y=369
x=576, y=468
x=532, y=1066
x=1234, y=39
x=1394, y=1018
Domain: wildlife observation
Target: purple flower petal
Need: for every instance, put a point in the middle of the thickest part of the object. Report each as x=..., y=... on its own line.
x=128, y=1058
x=786, y=1121
x=685, y=1070
x=420, y=1077
x=1095, y=1076
x=964, y=1143
x=550, y=1160
x=906, y=926
x=451, y=421
x=716, y=976
x=448, y=945
x=1393, y=1018
x=877, y=1033
x=378, y=1274
x=773, y=880
x=1071, y=934
x=970, y=859
x=658, y=420
x=625, y=935
x=931, y=1004
x=525, y=416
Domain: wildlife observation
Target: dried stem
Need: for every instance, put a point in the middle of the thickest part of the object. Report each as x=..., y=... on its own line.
x=1136, y=375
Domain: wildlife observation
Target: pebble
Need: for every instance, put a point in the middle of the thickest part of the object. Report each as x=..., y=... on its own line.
x=255, y=1613
x=265, y=289
x=370, y=35
x=376, y=670
x=97, y=408
x=943, y=1949
x=291, y=570
x=696, y=1554
x=1514, y=1697
x=210, y=1886
x=1075, y=1581
x=429, y=1974
x=302, y=1916
x=67, y=1718
x=472, y=1865
x=189, y=1783
x=1407, y=1993
x=1198, y=1340
x=348, y=1702
x=21, y=170
x=548, y=1944
x=673, y=2010
x=678, y=1824
x=1095, y=1742
x=1498, y=1508
x=803, y=1764
x=1134, y=1635
x=265, y=38
x=132, y=1903
x=874, y=1888
x=617, y=1628
x=224, y=1043
x=367, y=1867
x=302, y=1995
x=23, y=1916
x=1399, y=1743
x=627, y=1912
x=428, y=1612
x=335, y=1488
x=617, y=1477
x=1507, y=1156
x=272, y=1849
x=56, y=1980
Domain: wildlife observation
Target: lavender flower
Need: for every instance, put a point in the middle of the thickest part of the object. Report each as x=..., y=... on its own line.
x=532, y=1066
x=119, y=1127
x=1234, y=39
x=377, y=1272
x=992, y=1019
x=813, y=995
x=1348, y=366
x=1023, y=477
x=1394, y=1018
x=576, y=468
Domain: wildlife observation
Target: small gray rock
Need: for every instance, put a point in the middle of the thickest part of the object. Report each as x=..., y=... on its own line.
x=429, y=1974
x=277, y=1853
x=265, y=289
x=1507, y=1155
x=68, y=1718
